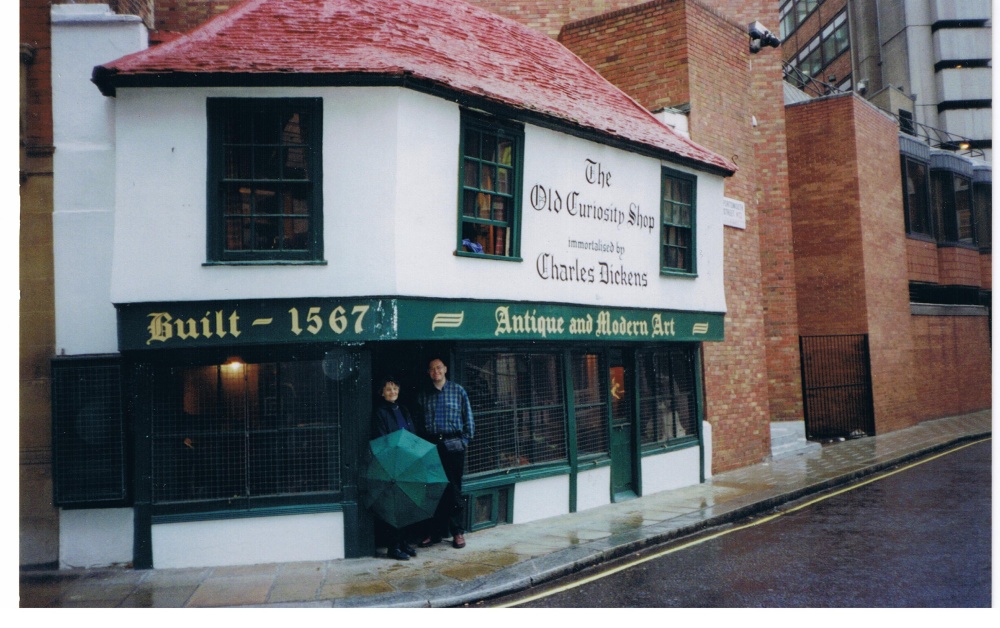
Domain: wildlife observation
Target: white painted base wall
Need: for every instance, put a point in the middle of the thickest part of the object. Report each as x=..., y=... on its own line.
x=95, y=538
x=254, y=541
x=593, y=488
x=669, y=471
x=706, y=439
x=541, y=499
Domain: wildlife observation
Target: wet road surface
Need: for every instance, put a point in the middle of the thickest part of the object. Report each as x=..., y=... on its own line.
x=919, y=537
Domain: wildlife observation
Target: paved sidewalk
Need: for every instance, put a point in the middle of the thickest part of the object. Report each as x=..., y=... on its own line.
x=508, y=558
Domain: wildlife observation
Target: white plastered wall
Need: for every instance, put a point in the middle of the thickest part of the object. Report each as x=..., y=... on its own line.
x=83, y=179
x=390, y=172
x=289, y=538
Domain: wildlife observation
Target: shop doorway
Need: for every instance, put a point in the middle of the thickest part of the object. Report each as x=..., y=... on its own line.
x=407, y=361
x=622, y=428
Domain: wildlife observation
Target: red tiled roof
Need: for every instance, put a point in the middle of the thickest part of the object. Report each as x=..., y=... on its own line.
x=440, y=44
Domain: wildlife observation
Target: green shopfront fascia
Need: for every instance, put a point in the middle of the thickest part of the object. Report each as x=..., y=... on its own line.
x=236, y=409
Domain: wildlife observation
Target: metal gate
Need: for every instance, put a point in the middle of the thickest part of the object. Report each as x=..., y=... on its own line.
x=837, y=386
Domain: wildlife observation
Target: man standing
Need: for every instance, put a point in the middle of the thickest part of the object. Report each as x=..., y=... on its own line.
x=447, y=422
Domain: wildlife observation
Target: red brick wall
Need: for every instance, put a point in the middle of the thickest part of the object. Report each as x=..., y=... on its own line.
x=644, y=51
x=35, y=26
x=549, y=16
x=180, y=16
x=922, y=261
x=959, y=267
x=953, y=365
x=887, y=294
x=669, y=53
x=737, y=372
x=986, y=266
x=37, y=517
x=771, y=163
x=822, y=149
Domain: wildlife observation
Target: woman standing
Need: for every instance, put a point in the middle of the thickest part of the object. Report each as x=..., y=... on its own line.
x=387, y=417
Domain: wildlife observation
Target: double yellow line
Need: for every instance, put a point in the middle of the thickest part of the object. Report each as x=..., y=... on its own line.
x=710, y=537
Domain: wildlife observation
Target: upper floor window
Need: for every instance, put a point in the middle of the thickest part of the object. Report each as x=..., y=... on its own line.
x=952, y=199
x=983, y=202
x=916, y=197
x=677, y=241
x=264, y=183
x=793, y=13
x=824, y=48
x=490, y=190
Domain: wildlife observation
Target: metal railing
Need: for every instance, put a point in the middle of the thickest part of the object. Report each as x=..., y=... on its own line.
x=935, y=138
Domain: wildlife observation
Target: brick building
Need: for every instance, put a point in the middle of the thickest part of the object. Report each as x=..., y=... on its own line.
x=826, y=244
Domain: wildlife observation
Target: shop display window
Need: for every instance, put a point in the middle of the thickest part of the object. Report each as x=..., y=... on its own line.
x=238, y=432
x=519, y=408
x=667, y=396
x=590, y=401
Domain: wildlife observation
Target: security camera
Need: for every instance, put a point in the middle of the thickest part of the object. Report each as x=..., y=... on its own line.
x=863, y=86
x=760, y=36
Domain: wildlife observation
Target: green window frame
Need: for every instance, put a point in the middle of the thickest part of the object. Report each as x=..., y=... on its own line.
x=519, y=404
x=243, y=435
x=265, y=180
x=678, y=211
x=489, y=191
x=668, y=396
x=591, y=407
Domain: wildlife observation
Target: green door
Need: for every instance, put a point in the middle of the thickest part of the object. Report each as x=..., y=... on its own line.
x=622, y=441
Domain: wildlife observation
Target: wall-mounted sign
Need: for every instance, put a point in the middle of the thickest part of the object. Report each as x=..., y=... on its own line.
x=734, y=213
x=144, y=326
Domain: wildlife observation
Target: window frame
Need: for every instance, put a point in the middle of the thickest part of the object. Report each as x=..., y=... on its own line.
x=504, y=129
x=982, y=202
x=909, y=211
x=165, y=381
x=691, y=180
x=517, y=356
x=219, y=111
x=669, y=359
x=946, y=210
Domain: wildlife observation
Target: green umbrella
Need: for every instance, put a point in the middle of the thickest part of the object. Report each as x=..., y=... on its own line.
x=405, y=479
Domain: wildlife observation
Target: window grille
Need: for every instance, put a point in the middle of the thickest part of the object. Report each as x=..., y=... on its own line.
x=590, y=402
x=89, y=439
x=519, y=409
x=243, y=431
x=667, y=395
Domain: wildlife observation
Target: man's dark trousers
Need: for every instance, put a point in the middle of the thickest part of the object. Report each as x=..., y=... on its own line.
x=449, y=518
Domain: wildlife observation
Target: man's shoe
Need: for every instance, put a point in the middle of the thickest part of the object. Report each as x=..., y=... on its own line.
x=398, y=554
x=407, y=549
x=431, y=540
x=458, y=542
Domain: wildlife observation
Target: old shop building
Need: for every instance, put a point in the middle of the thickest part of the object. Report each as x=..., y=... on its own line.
x=291, y=220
